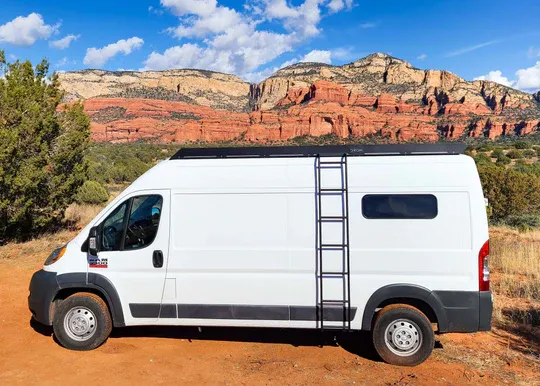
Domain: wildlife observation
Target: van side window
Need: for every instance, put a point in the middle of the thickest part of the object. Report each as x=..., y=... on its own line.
x=143, y=221
x=120, y=232
x=112, y=229
x=399, y=206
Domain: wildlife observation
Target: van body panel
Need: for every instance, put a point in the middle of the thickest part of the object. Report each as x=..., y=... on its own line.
x=239, y=238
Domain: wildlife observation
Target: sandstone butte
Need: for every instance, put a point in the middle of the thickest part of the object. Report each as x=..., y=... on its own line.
x=378, y=95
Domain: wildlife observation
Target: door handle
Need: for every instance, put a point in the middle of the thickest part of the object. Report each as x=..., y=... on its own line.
x=157, y=259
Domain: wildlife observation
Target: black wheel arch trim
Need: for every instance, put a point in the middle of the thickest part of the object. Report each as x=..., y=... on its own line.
x=408, y=291
x=98, y=283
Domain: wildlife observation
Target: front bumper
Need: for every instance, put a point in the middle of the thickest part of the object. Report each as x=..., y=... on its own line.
x=43, y=287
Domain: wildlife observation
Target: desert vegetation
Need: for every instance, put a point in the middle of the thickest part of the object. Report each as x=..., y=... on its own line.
x=42, y=149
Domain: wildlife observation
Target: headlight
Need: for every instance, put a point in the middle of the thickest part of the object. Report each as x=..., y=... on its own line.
x=55, y=255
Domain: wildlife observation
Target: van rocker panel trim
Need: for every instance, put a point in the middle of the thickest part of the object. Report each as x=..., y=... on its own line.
x=238, y=312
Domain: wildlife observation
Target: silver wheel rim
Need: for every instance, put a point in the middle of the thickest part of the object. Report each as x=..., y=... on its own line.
x=80, y=324
x=403, y=337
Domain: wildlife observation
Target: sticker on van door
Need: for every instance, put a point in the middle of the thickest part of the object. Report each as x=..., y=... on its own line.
x=96, y=262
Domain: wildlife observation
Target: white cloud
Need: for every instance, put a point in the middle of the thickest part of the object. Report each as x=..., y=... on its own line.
x=230, y=40
x=97, y=57
x=528, y=78
x=193, y=7
x=256, y=77
x=422, y=57
x=368, y=25
x=472, y=48
x=318, y=56
x=155, y=11
x=62, y=62
x=336, y=5
x=63, y=43
x=495, y=76
x=25, y=31
x=533, y=52
x=220, y=20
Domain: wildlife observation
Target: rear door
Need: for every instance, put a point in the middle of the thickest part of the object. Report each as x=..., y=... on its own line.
x=134, y=248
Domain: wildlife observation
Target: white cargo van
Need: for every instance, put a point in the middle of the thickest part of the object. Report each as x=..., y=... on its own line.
x=391, y=239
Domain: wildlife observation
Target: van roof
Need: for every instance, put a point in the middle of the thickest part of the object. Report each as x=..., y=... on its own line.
x=450, y=148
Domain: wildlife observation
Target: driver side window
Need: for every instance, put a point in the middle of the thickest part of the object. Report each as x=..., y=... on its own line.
x=132, y=225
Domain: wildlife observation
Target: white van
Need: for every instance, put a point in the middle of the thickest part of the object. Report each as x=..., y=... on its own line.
x=392, y=239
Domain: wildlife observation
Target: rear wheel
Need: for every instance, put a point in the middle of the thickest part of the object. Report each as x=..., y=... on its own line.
x=402, y=335
x=82, y=322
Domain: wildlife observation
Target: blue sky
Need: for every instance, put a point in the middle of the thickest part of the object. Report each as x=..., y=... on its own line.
x=498, y=40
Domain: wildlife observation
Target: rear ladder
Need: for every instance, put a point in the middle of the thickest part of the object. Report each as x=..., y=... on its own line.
x=325, y=306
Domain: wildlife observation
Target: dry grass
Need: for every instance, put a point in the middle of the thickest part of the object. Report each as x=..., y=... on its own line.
x=515, y=266
x=515, y=259
x=76, y=217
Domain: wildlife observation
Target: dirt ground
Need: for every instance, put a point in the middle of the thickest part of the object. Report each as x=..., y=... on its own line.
x=29, y=354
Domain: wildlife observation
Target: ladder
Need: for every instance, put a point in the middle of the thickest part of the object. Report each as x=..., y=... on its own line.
x=328, y=309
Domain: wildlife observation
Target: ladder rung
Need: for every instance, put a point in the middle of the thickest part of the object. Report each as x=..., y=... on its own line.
x=332, y=163
x=334, y=273
x=332, y=190
x=325, y=218
x=334, y=245
x=334, y=301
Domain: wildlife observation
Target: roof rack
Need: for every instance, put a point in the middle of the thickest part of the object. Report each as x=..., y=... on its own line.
x=447, y=148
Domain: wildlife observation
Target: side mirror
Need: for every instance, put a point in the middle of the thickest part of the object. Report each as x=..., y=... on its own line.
x=93, y=241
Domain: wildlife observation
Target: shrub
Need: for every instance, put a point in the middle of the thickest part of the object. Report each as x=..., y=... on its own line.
x=41, y=150
x=485, y=148
x=509, y=192
x=504, y=160
x=92, y=192
x=538, y=151
x=497, y=153
x=514, y=154
x=522, y=145
x=529, y=153
x=523, y=222
x=482, y=158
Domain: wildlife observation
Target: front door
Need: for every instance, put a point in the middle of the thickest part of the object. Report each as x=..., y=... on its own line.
x=134, y=238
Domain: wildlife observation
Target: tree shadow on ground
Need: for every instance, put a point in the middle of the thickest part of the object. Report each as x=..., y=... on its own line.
x=524, y=325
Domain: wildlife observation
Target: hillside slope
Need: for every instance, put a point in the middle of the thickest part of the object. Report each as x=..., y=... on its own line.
x=376, y=95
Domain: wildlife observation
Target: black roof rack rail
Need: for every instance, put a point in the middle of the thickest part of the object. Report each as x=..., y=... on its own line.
x=446, y=148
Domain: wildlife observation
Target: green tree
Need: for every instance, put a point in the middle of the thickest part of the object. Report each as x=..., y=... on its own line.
x=41, y=149
x=509, y=192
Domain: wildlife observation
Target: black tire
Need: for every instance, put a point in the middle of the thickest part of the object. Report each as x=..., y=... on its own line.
x=91, y=321
x=401, y=320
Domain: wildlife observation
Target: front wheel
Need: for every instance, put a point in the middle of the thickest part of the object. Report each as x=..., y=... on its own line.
x=82, y=322
x=402, y=335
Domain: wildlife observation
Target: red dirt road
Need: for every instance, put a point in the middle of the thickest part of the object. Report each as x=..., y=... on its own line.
x=235, y=356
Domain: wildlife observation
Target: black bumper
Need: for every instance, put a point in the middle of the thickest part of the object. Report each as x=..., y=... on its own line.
x=43, y=287
x=465, y=311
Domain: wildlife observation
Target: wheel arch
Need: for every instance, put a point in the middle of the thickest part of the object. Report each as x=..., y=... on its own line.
x=71, y=283
x=411, y=294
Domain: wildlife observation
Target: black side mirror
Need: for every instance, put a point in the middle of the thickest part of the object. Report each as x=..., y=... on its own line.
x=93, y=241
